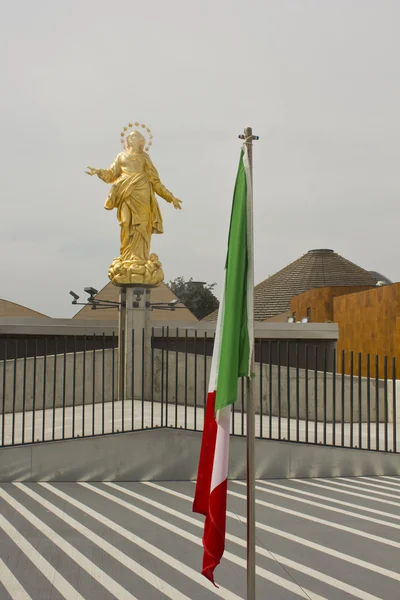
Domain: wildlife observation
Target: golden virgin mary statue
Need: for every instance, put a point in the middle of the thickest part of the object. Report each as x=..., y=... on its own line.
x=135, y=182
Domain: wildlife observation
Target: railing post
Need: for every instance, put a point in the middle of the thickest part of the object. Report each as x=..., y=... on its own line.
x=334, y=398
x=377, y=411
x=359, y=400
x=386, y=407
x=394, y=383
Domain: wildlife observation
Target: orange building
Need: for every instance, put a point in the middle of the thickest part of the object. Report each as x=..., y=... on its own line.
x=368, y=320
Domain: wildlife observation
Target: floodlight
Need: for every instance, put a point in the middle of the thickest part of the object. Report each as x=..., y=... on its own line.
x=290, y=319
x=91, y=291
x=304, y=320
x=75, y=296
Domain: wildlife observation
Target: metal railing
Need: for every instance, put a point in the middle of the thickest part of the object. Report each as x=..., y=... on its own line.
x=64, y=388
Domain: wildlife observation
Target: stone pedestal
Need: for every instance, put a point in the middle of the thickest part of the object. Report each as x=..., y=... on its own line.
x=134, y=343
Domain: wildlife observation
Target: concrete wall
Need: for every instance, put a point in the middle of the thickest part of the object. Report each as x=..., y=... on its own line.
x=172, y=455
x=283, y=386
x=49, y=382
x=187, y=378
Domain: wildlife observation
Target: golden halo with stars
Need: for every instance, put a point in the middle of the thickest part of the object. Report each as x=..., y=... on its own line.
x=146, y=132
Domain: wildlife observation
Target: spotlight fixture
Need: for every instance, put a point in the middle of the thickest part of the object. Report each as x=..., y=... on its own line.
x=75, y=297
x=91, y=291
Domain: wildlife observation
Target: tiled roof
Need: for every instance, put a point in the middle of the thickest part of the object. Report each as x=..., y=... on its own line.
x=162, y=293
x=11, y=309
x=379, y=277
x=317, y=268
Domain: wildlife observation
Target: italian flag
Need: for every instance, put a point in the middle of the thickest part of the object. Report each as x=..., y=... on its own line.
x=233, y=348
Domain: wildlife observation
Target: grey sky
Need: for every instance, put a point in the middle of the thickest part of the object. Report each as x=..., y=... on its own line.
x=318, y=80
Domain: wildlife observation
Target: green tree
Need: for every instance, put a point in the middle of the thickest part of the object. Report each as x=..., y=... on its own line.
x=197, y=296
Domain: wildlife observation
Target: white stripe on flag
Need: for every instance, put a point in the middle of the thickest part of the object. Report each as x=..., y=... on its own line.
x=212, y=384
x=221, y=456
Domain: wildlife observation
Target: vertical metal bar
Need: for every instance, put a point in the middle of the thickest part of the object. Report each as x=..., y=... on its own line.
x=242, y=406
x=186, y=378
x=195, y=380
x=44, y=390
x=24, y=392
x=250, y=441
x=166, y=376
x=306, y=390
x=394, y=404
x=324, y=392
x=270, y=387
x=316, y=394
x=64, y=386
x=385, y=377
x=369, y=401
x=359, y=366
x=351, y=399
x=133, y=382
x=122, y=396
x=103, y=381
x=74, y=388
x=343, y=395
x=377, y=416
x=279, y=391
x=84, y=386
x=177, y=375
x=162, y=376
x=94, y=384
x=3, y=421
x=142, y=377
x=14, y=393
x=334, y=398
x=33, y=391
x=113, y=382
x=233, y=418
x=297, y=394
x=152, y=379
x=205, y=377
x=54, y=388
x=121, y=364
x=288, y=388
x=261, y=388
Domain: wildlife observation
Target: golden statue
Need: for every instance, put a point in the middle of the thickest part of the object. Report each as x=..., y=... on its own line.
x=135, y=182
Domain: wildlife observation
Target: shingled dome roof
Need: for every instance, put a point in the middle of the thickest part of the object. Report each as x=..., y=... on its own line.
x=379, y=277
x=317, y=268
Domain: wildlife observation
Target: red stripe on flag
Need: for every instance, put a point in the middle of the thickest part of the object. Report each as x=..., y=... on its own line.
x=206, y=461
x=212, y=506
x=214, y=531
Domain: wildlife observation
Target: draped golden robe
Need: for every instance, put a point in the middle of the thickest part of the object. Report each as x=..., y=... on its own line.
x=135, y=182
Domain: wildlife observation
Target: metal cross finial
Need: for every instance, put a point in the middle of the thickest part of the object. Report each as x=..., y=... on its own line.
x=248, y=136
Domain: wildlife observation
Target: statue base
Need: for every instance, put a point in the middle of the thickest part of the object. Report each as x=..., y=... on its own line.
x=136, y=272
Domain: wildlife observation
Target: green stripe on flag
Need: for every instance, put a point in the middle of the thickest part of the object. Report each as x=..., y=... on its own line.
x=235, y=346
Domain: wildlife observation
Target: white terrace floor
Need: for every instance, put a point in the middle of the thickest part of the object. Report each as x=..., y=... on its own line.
x=317, y=539
x=118, y=416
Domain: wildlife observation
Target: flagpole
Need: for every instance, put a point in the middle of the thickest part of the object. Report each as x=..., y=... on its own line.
x=250, y=438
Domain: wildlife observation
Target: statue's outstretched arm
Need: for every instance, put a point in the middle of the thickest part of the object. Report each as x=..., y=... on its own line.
x=108, y=175
x=159, y=188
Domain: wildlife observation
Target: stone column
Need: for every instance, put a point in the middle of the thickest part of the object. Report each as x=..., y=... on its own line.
x=135, y=343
